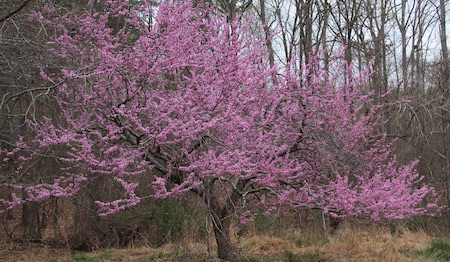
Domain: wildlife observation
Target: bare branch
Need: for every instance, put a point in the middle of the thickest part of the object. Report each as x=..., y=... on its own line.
x=2, y=19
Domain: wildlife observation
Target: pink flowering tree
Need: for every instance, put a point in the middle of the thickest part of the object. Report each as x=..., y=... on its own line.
x=184, y=100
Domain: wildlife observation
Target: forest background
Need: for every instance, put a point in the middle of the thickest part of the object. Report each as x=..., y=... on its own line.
x=406, y=40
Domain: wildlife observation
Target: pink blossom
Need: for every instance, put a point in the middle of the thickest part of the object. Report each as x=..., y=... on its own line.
x=188, y=104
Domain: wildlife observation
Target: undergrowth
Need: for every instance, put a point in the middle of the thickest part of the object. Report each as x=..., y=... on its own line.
x=439, y=250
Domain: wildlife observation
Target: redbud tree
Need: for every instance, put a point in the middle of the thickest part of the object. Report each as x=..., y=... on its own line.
x=184, y=100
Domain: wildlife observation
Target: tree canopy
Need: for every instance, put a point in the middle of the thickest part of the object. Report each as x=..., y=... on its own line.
x=181, y=99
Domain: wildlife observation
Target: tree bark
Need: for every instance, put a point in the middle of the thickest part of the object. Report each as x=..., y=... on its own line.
x=31, y=222
x=267, y=32
x=221, y=223
x=444, y=98
x=404, y=47
x=445, y=55
x=268, y=39
x=221, y=206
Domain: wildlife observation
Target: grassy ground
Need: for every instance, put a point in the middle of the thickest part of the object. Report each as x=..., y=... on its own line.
x=369, y=244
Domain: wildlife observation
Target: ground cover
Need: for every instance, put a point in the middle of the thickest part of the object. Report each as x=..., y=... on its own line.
x=349, y=244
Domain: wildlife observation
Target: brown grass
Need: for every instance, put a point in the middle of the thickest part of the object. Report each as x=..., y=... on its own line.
x=375, y=245
x=370, y=244
x=30, y=252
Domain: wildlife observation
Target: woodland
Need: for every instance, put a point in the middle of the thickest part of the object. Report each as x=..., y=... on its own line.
x=134, y=123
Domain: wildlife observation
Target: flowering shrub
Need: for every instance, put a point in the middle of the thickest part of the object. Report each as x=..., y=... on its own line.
x=184, y=98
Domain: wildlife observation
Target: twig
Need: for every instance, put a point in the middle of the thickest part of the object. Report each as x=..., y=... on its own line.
x=2, y=19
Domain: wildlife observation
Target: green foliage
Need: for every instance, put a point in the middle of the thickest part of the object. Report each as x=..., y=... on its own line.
x=304, y=241
x=317, y=239
x=266, y=223
x=107, y=255
x=170, y=217
x=178, y=255
x=439, y=250
x=81, y=257
x=415, y=224
x=153, y=222
x=304, y=257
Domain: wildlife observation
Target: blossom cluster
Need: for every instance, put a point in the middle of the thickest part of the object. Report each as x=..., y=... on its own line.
x=182, y=97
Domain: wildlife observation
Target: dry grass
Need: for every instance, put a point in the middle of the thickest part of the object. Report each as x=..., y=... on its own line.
x=30, y=252
x=346, y=245
x=375, y=245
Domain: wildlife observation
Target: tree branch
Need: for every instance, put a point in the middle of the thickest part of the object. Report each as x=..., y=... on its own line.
x=47, y=89
x=2, y=19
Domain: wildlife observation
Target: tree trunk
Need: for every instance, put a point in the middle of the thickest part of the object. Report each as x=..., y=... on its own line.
x=225, y=248
x=31, y=223
x=268, y=39
x=404, y=47
x=221, y=205
x=444, y=88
